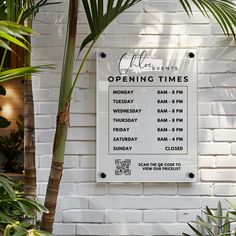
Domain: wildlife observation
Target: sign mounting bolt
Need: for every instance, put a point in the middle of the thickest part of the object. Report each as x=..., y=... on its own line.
x=103, y=175
x=191, y=175
x=103, y=54
x=191, y=55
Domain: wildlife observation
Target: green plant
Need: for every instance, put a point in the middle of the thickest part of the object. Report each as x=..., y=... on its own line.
x=12, y=148
x=222, y=10
x=24, y=11
x=214, y=223
x=16, y=209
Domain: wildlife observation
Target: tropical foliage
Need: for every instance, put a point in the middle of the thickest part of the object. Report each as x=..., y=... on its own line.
x=11, y=10
x=215, y=223
x=11, y=32
x=16, y=210
x=224, y=11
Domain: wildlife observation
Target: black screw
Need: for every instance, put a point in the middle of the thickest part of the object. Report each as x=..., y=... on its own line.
x=103, y=54
x=103, y=175
x=191, y=55
x=191, y=175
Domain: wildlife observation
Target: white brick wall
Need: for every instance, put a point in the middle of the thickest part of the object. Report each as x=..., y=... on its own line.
x=88, y=208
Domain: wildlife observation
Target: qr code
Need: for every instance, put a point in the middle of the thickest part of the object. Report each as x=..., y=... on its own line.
x=122, y=167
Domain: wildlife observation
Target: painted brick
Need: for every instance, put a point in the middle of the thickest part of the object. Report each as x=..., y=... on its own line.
x=79, y=175
x=208, y=122
x=212, y=67
x=214, y=148
x=42, y=175
x=124, y=216
x=212, y=202
x=91, y=189
x=223, y=108
x=206, y=161
x=164, y=6
x=204, y=81
x=76, y=147
x=223, y=80
x=212, y=41
x=233, y=148
x=160, y=188
x=121, y=202
x=232, y=67
x=45, y=136
x=81, y=216
x=48, y=108
x=188, y=215
x=81, y=133
x=64, y=229
x=224, y=135
x=71, y=161
x=204, y=108
x=45, y=161
x=130, y=189
x=133, y=229
x=204, y=135
x=218, y=175
x=87, y=162
x=82, y=120
x=43, y=122
x=166, y=18
x=159, y=216
x=226, y=161
x=65, y=189
x=74, y=203
x=43, y=148
x=224, y=189
x=227, y=122
x=220, y=53
x=217, y=94
x=199, y=189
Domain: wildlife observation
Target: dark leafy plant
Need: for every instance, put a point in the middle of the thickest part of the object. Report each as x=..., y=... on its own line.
x=12, y=148
x=16, y=209
x=214, y=223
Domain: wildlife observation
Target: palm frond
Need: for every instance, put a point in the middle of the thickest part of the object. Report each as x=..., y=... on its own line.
x=11, y=32
x=20, y=72
x=33, y=9
x=224, y=12
x=98, y=20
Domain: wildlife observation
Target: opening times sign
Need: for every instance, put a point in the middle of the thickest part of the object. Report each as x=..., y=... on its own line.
x=146, y=115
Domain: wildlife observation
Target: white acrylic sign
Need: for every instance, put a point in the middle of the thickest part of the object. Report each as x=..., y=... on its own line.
x=146, y=115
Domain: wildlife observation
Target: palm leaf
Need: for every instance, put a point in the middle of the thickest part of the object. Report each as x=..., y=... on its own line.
x=204, y=225
x=226, y=225
x=20, y=72
x=30, y=204
x=224, y=11
x=33, y=9
x=11, y=32
x=7, y=185
x=195, y=230
x=98, y=20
